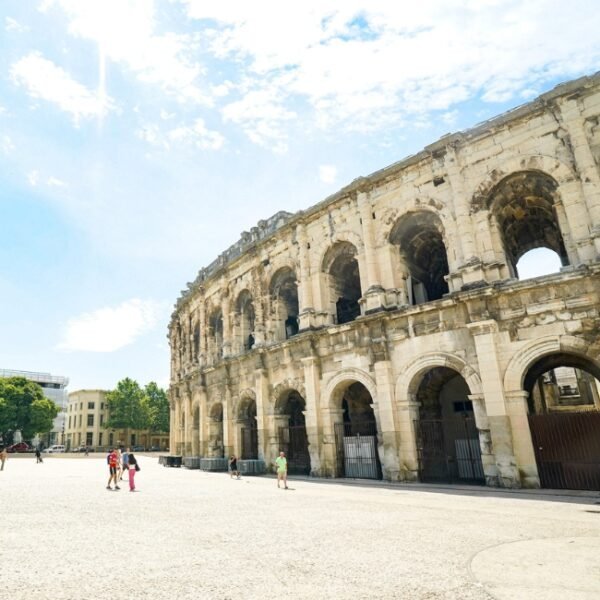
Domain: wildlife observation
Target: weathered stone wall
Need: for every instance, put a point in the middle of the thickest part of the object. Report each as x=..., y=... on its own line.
x=419, y=259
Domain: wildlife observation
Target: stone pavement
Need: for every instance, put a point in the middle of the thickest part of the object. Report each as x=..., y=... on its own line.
x=189, y=534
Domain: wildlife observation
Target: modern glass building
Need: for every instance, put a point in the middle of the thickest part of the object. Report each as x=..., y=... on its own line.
x=55, y=389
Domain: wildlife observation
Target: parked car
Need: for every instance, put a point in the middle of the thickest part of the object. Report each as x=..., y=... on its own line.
x=155, y=449
x=55, y=449
x=20, y=447
x=138, y=449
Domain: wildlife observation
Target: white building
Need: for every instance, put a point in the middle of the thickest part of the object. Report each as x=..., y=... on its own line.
x=55, y=389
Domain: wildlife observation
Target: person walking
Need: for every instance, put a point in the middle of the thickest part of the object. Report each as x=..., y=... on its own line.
x=233, y=467
x=113, y=463
x=3, y=457
x=132, y=470
x=38, y=455
x=124, y=462
x=281, y=464
x=119, y=464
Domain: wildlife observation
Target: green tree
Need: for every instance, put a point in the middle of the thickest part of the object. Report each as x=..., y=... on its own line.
x=157, y=406
x=24, y=407
x=126, y=406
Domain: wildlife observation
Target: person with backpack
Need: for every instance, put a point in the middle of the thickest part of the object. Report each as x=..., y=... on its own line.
x=113, y=463
x=134, y=467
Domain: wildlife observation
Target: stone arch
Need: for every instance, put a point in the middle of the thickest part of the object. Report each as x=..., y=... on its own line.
x=408, y=383
x=422, y=253
x=285, y=306
x=280, y=390
x=334, y=386
x=347, y=236
x=523, y=359
x=342, y=273
x=550, y=165
x=245, y=320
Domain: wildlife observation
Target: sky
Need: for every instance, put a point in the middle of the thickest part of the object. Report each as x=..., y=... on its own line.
x=139, y=138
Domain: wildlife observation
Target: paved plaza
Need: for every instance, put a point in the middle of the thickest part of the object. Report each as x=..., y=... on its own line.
x=189, y=534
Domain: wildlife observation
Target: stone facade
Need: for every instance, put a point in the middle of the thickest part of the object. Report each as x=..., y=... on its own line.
x=396, y=301
x=86, y=415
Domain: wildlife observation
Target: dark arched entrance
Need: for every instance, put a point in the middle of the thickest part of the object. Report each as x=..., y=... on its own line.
x=292, y=436
x=564, y=418
x=248, y=430
x=447, y=437
x=356, y=434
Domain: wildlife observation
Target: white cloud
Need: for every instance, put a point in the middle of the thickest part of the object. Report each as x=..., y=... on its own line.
x=198, y=135
x=55, y=182
x=366, y=66
x=33, y=177
x=11, y=24
x=125, y=33
x=43, y=79
x=110, y=328
x=327, y=173
x=7, y=145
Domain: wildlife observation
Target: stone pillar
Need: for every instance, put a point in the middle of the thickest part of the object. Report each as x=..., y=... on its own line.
x=305, y=296
x=227, y=424
x=408, y=414
x=586, y=166
x=484, y=334
x=195, y=425
x=172, y=425
x=386, y=425
x=373, y=299
x=485, y=440
x=517, y=410
x=203, y=434
x=329, y=418
x=227, y=334
x=312, y=413
x=262, y=401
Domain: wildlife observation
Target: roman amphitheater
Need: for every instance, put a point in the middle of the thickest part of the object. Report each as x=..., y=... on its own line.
x=385, y=332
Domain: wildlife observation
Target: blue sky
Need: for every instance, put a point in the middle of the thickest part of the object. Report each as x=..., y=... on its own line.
x=139, y=138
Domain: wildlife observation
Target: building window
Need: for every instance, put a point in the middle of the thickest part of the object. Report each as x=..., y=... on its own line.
x=100, y=438
x=90, y=420
x=101, y=419
x=80, y=419
x=91, y=405
x=110, y=439
x=69, y=422
x=102, y=405
x=89, y=438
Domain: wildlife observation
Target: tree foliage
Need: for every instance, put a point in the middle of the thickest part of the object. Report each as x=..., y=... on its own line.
x=157, y=404
x=131, y=407
x=24, y=407
x=126, y=406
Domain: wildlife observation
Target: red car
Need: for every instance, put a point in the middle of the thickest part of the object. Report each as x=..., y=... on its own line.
x=20, y=447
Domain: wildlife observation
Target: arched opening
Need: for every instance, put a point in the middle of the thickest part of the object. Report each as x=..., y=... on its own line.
x=293, y=439
x=356, y=433
x=420, y=239
x=538, y=262
x=215, y=431
x=447, y=436
x=215, y=325
x=248, y=429
x=285, y=308
x=245, y=315
x=525, y=207
x=341, y=265
x=196, y=342
x=564, y=418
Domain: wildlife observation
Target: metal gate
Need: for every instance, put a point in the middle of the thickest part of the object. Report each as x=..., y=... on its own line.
x=356, y=449
x=567, y=449
x=294, y=442
x=249, y=443
x=448, y=451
